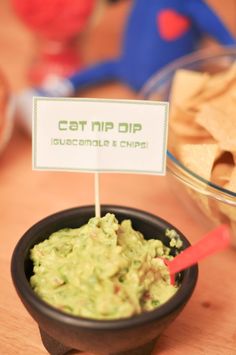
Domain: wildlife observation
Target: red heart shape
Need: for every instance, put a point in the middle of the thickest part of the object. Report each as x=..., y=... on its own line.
x=172, y=25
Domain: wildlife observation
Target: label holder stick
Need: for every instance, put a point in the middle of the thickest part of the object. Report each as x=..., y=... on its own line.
x=97, y=195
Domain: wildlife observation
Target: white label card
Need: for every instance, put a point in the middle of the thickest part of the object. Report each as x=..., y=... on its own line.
x=98, y=135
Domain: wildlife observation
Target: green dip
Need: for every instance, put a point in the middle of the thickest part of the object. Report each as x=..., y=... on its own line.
x=102, y=270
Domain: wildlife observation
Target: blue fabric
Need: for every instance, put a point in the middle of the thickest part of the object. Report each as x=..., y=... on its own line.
x=144, y=49
x=107, y=70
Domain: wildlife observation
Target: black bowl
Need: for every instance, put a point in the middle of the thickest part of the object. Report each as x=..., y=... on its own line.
x=60, y=331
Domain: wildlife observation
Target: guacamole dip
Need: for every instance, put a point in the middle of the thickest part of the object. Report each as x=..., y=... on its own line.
x=102, y=270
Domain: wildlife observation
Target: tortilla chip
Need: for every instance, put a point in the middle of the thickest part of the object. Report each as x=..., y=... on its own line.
x=213, y=87
x=219, y=83
x=186, y=84
x=199, y=158
x=222, y=169
x=231, y=185
x=221, y=174
x=203, y=136
x=184, y=125
x=225, y=103
x=178, y=113
x=221, y=126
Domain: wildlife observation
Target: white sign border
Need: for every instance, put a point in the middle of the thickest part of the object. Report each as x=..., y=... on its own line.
x=160, y=172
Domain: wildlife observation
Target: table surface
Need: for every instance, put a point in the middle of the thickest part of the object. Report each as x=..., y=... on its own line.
x=208, y=323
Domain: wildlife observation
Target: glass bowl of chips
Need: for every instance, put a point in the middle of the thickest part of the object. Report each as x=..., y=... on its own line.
x=201, y=162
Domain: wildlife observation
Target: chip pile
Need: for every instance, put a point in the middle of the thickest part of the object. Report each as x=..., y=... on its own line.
x=203, y=133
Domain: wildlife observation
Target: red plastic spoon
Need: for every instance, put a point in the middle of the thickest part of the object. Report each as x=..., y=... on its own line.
x=214, y=241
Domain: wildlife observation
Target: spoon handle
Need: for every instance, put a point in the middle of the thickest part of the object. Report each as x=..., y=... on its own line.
x=216, y=240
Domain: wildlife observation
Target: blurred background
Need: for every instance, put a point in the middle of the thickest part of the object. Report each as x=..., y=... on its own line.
x=27, y=196
x=19, y=45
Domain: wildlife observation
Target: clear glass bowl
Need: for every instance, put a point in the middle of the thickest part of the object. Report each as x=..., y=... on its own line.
x=201, y=197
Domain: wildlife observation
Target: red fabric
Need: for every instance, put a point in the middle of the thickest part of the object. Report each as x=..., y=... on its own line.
x=54, y=19
x=171, y=25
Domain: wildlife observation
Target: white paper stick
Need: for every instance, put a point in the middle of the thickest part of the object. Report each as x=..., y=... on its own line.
x=97, y=195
